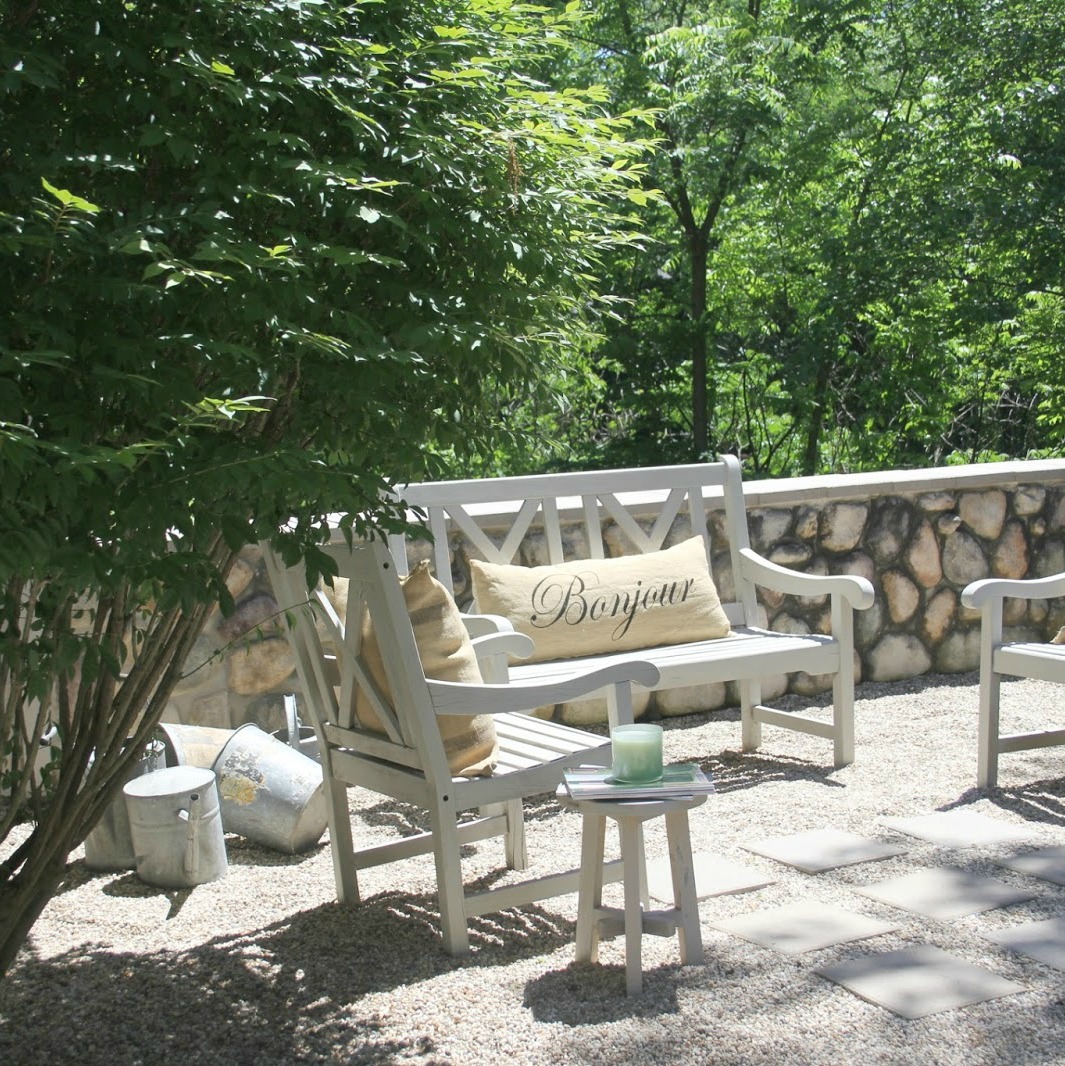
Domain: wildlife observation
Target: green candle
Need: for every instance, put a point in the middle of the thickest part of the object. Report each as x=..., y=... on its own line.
x=637, y=753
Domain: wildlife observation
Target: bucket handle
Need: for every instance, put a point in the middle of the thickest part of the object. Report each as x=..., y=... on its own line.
x=292, y=720
x=192, y=817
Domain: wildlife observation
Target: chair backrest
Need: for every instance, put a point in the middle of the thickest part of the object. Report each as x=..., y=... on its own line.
x=540, y=501
x=327, y=643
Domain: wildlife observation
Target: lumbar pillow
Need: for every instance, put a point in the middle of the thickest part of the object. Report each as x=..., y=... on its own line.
x=447, y=655
x=595, y=606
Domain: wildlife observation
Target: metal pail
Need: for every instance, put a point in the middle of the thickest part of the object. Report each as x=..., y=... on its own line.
x=109, y=846
x=271, y=793
x=193, y=745
x=176, y=826
x=296, y=735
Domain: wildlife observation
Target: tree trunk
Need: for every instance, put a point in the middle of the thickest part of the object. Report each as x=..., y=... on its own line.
x=701, y=406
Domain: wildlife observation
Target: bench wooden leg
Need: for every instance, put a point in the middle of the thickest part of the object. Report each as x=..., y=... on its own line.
x=750, y=728
x=987, y=737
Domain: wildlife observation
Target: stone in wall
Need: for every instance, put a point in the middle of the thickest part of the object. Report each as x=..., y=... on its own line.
x=889, y=530
x=1051, y=559
x=261, y=667
x=922, y=556
x=804, y=684
x=592, y=711
x=671, y=703
x=963, y=559
x=897, y=656
x=1014, y=611
x=807, y=521
x=1056, y=516
x=936, y=502
x=1029, y=500
x=813, y=603
x=1009, y=558
x=938, y=616
x=983, y=512
x=959, y=652
x=790, y=553
x=721, y=572
x=869, y=624
x=767, y=528
x=903, y=596
x=841, y=526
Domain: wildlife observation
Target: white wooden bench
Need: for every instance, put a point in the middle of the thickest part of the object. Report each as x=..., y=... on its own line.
x=752, y=654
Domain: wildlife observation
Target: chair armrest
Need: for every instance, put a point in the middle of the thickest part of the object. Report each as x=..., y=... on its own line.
x=857, y=591
x=457, y=697
x=479, y=625
x=978, y=593
x=513, y=644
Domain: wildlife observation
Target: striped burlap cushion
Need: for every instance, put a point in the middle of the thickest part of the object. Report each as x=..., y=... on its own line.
x=447, y=655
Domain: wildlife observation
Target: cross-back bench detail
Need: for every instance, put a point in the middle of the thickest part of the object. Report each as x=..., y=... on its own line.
x=541, y=502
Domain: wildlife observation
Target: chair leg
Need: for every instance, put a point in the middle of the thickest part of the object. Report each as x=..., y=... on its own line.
x=750, y=730
x=340, y=842
x=514, y=840
x=450, y=891
x=987, y=739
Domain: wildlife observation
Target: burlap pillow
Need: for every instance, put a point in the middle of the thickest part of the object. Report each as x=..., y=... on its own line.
x=606, y=605
x=447, y=655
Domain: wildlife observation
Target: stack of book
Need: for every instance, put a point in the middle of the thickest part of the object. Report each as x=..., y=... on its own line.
x=596, y=783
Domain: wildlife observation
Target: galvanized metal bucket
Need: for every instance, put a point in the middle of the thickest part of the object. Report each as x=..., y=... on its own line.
x=176, y=826
x=110, y=846
x=271, y=793
x=193, y=745
x=301, y=737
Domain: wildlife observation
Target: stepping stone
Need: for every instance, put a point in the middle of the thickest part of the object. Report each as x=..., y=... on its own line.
x=959, y=829
x=1047, y=863
x=914, y=982
x=1043, y=941
x=823, y=849
x=945, y=893
x=714, y=876
x=806, y=926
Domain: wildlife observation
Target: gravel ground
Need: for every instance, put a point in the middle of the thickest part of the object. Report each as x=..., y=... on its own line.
x=263, y=966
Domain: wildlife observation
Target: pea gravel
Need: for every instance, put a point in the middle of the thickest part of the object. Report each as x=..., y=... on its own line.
x=264, y=967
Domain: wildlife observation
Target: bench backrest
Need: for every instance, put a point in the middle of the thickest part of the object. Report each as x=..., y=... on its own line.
x=326, y=638
x=544, y=502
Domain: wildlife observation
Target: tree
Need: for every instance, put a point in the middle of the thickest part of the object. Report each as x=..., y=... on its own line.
x=260, y=259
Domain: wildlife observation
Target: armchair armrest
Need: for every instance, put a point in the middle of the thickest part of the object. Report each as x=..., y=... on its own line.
x=857, y=591
x=978, y=593
x=457, y=697
x=480, y=625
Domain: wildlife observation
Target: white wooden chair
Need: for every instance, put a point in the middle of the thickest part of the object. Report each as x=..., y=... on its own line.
x=408, y=763
x=1043, y=661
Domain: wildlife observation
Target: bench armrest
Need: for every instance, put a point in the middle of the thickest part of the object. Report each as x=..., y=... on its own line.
x=857, y=591
x=457, y=697
x=978, y=593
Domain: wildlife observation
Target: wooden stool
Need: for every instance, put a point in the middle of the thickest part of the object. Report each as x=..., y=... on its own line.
x=594, y=920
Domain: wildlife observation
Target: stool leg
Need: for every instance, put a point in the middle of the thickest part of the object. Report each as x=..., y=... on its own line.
x=590, y=887
x=632, y=851
x=640, y=859
x=685, y=898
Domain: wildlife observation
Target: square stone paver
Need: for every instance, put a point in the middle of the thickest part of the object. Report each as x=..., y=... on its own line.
x=805, y=926
x=823, y=849
x=714, y=876
x=1043, y=941
x=959, y=829
x=1047, y=863
x=945, y=893
x=914, y=982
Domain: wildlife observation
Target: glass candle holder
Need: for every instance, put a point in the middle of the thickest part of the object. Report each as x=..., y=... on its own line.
x=637, y=753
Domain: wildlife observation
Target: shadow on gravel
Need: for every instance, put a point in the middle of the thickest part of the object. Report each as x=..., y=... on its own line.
x=289, y=992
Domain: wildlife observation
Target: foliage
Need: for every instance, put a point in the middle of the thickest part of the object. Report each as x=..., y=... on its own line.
x=857, y=259
x=259, y=260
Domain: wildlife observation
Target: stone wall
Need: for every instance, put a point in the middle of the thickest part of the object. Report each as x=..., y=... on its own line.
x=919, y=537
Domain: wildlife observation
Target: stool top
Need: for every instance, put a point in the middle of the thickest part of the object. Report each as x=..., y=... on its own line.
x=628, y=808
